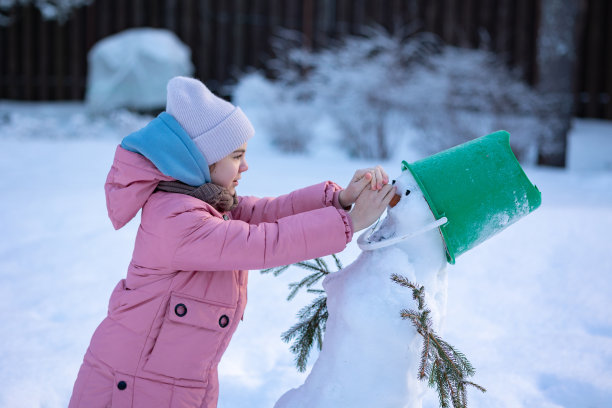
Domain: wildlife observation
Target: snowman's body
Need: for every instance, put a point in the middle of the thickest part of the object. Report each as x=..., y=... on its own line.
x=370, y=356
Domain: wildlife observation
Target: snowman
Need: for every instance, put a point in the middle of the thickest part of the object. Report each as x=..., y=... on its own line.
x=370, y=356
x=448, y=203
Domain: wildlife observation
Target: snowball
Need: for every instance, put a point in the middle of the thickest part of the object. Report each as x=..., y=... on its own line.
x=131, y=69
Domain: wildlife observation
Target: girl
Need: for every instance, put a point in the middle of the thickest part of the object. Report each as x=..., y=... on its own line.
x=171, y=319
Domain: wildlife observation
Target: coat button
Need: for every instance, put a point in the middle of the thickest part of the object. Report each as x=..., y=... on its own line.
x=225, y=217
x=122, y=385
x=180, y=310
x=223, y=321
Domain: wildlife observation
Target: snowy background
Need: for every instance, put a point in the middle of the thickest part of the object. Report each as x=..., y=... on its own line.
x=530, y=307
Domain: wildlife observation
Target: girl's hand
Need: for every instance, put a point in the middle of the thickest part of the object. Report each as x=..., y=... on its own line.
x=370, y=205
x=376, y=177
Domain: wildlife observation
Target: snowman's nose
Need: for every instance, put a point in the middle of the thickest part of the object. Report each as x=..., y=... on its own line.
x=396, y=198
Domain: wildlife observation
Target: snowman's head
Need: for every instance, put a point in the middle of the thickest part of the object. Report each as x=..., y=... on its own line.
x=411, y=215
x=412, y=210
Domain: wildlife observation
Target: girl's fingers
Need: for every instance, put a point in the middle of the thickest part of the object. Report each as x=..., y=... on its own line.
x=363, y=181
x=389, y=194
x=360, y=173
x=360, y=184
x=384, y=175
x=379, y=177
x=375, y=175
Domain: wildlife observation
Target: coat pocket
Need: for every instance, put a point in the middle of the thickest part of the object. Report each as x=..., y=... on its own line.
x=189, y=338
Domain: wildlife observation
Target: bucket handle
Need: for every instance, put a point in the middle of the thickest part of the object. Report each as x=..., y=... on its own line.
x=366, y=245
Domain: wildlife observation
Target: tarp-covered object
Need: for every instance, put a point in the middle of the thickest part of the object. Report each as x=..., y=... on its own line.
x=131, y=69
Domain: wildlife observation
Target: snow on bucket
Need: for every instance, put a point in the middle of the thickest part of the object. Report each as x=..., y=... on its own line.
x=479, y=187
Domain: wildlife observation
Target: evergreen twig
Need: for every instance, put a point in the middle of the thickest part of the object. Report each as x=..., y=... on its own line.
x=309, y=329
x=445, y=367
x=312, y=319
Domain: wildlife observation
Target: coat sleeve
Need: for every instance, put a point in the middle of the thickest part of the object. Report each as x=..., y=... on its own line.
x=210, y=243
x=269, y=209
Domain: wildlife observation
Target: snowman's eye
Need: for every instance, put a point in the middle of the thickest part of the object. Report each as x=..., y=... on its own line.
x=407, y=192
x=392, y=182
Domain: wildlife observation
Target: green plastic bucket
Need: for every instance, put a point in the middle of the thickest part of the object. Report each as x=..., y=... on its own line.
x=479, y=186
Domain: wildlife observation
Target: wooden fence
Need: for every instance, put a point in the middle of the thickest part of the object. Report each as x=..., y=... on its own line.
x=593, y=80
x=46, y=60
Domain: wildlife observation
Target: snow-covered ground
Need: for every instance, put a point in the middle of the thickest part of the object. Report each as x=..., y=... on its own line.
x=530, y=307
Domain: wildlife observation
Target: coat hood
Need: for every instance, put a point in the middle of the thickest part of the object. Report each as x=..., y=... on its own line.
x=161, y=151
x=130, y=181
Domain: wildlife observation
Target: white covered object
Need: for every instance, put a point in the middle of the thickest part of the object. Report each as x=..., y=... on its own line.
x=131, y=69
x=370, y=356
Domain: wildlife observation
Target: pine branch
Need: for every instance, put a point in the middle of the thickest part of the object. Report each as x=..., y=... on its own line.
x=475, y=386
x=277, y=270
x=313, y=267
x=310, y=328
x=444, y=366
x=312, y=319
x=338, y=263
x=424, y=358
x=307, y=282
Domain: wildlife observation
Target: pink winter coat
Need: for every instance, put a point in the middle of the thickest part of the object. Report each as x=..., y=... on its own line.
x=170, y=321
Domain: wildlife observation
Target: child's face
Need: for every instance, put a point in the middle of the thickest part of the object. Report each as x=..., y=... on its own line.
x=226, y=172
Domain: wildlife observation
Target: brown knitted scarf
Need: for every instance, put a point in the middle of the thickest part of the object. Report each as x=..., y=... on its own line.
x=219, y=197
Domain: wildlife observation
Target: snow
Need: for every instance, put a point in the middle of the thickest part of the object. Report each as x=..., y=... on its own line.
x=529, y=307
x=131, y=69
x=590, y=146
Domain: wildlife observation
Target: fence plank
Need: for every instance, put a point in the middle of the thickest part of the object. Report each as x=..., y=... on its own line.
x=3, y=58
x=449, y=23
x=594, y=58
x=521, y=33
x=607, y=89
x=431, y=16
x=138, y=15
x=486, y=24
x=324, y=26
x=501, y=39
x=467, y=33
x=307, y=23
x=222, y=43
x=205, y=47
x=238, y=34
x=26, y=51
x=58, y=62
x=343, y=25
x=260, y=31
x=42, y=64
x=13, y=54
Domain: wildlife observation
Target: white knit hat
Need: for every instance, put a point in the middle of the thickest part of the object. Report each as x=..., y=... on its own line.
x=216, y=126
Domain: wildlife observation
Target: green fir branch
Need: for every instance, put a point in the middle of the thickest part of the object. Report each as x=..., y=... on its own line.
x=309, y=330
x=445, y=367
x=307, y=282
x=277, y=270
x=312, y=319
